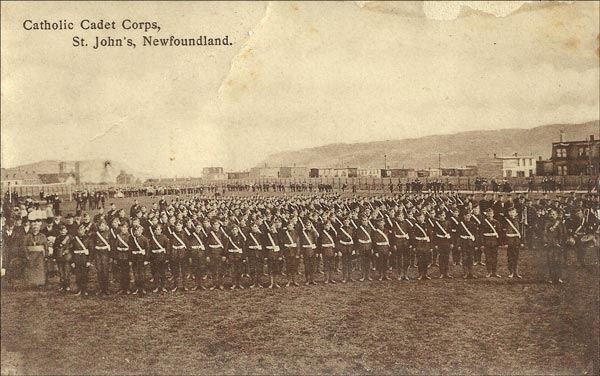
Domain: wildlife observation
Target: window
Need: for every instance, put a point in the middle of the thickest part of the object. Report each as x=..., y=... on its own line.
x=561, y=153
x=530, y=162
x=521, y=174
x=530, y=172
x=562, y=170
x=508, y=173
x=582, y=151
x=518, y=162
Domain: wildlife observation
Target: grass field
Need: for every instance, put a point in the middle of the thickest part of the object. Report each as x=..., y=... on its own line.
x=460, y=326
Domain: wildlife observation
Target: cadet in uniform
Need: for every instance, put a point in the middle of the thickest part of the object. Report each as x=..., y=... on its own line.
x=308, y=241
x=289, y=238
x=254, y=257
x=197, y=252
x=159, y=246
x=179, y=255
x=63, y=257
x=365, y=247
x=327, y=241
x=273, y=256
x=513, y=240
x=80, y=248
x=466, y=242
x=122, y=257
x=381, y=249
x=139, y=253
x=490, y=240
x=442, y=241
x=345, y=241
x=217, y=255
x=102, y=255
x=422, y=244
x=402, y=245
x=235, y=250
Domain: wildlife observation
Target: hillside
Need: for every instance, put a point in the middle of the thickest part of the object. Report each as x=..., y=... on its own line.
x=92, y=171
x=456, y=150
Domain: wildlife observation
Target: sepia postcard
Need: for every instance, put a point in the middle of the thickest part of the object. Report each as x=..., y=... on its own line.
x=300, y=188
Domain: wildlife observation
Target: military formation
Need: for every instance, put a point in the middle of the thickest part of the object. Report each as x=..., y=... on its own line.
x=237, y=242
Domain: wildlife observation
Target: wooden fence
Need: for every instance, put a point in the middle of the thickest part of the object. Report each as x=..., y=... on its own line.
x=567, y=183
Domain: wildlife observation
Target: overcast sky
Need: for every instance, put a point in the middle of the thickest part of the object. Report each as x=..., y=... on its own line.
x=297, y=75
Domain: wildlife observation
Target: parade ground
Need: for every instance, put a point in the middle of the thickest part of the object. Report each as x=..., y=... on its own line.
x=487, y=326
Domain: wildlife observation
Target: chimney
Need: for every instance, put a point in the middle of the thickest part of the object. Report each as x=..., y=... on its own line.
x=494, y=155
x=540, y=158
x=562, y=135
x=61, y=168
x=591, y=138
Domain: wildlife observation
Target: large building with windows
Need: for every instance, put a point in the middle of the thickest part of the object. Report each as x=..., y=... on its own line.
x=506, y=167
x=572, y=158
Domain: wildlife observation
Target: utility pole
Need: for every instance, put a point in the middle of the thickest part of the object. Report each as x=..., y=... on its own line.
x=385, y=161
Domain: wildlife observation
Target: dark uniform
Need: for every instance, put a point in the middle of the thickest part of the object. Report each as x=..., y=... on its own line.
x=421, y=242
x=345, y=243
x=308, y=242
x=198, y=253
x=254, y=257
x=512, y=238
x=62, y=256
x=490, y=240
x=235, y=256
x=139, y=256
x=554, y=235
x=101, y=246
x=216, y=252
x=441, y=241
x=467, y=231
x=159, y=246
x=122, y=251
x=364, y=245
x=178, y=257
x=290, y=240
x=80, y=249
x=381, y=249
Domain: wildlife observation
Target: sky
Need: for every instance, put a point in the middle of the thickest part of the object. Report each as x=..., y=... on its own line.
x=297, y=75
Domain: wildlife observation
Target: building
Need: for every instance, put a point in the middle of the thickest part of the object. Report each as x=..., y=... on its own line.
x=213, y=173
x=429, y=173
x=64, y=178
x=506, y=167
x=459, y=171
x=294, y=172
x=207, y=171
x=238, y=175
x=398, y=173
x=264, y=172
x=73, y=168
x=369, y=172
x=572, y=158
x=125, y=179
x=15, y=176
x=543, y=167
